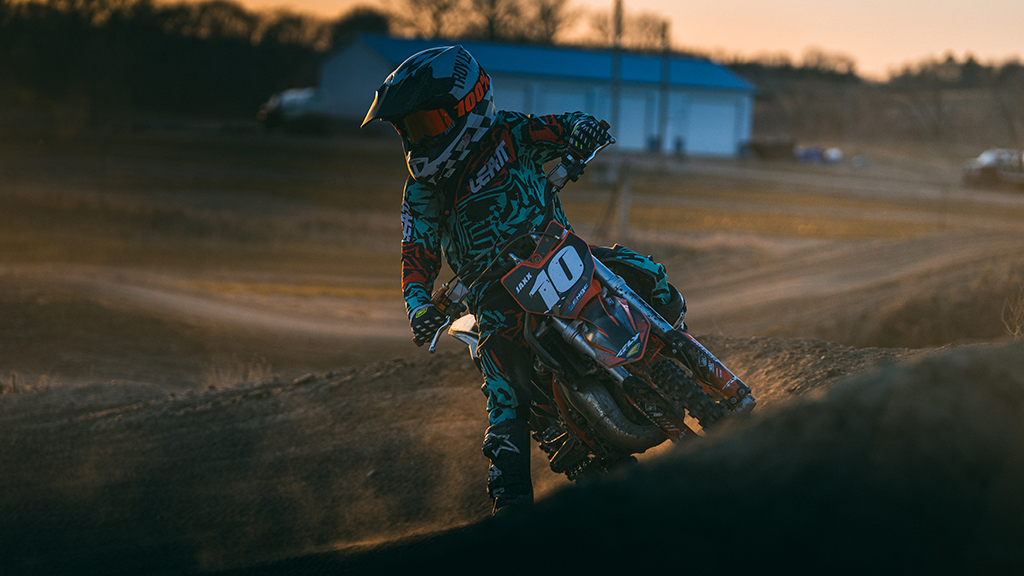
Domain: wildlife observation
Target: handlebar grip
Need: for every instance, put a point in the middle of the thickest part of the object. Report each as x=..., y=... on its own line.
x=604, y=124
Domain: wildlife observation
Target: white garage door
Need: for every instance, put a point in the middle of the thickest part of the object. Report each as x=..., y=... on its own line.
x=631, y=132
x=509, y=99
x=560, y=101
x=712, y=129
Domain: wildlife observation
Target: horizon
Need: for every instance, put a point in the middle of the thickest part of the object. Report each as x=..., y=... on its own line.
x=882, y=38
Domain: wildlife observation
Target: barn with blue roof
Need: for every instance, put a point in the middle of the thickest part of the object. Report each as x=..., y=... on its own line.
x=672, y=104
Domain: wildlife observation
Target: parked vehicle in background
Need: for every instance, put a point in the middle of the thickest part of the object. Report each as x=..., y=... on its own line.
x=298, y=110
x=818, y=155
x=995, y=167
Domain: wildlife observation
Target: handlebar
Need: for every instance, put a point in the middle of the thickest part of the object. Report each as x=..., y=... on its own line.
x=570, y=168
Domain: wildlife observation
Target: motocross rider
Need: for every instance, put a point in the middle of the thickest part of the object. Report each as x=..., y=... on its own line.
x=477, y=179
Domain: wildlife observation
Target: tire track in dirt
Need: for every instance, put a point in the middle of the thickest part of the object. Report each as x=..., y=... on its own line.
x=155, y=294
x=838, y=280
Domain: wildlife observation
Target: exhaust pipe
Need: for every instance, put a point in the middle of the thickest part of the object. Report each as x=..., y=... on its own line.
x=600, y=409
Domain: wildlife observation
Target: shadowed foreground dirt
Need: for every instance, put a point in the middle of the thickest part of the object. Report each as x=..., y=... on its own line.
x=906, y=469
x=911, y=464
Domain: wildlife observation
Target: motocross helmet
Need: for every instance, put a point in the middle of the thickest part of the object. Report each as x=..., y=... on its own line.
x=440, y=102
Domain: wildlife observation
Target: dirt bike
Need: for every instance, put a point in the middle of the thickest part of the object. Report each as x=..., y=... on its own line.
x=611, y=376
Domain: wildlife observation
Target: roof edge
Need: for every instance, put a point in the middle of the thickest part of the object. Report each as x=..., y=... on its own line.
x=736, y=82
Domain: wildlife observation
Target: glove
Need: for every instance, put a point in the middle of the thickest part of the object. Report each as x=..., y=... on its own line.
x=585, y=137
x=425, y=321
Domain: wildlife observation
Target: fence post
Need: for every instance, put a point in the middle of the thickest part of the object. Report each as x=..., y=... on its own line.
x=623, y=184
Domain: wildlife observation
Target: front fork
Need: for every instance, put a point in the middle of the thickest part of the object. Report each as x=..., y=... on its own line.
x=707, y=370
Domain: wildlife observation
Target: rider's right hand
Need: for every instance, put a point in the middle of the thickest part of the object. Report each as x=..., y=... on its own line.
x=586, y=136
x=425, y=321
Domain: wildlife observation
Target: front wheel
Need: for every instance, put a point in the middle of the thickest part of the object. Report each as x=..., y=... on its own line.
x=686, y=393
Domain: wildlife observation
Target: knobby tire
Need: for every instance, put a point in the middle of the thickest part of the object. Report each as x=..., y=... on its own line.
x=687, y=393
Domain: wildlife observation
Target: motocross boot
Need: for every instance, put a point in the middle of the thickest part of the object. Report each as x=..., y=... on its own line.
x=507, y=446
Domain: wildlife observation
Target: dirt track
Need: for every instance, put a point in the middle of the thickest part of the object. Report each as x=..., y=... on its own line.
x=130, y=479
x=133, y=477
x=147, y=432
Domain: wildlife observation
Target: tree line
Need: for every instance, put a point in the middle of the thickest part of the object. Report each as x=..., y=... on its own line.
x=530, y=21
x=212, y=57
x=215, y=58
x=946, y=100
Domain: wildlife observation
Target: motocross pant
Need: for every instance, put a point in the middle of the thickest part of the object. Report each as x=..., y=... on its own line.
x=505, y=355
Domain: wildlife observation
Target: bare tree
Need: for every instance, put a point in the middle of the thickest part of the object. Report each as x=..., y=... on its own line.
x=535, y=21
x=545, y=19
x=496, y=20
x=284, y=27
x=94, y=12
x=222, y=19
x=1007, y=91
x=431, y=18
x=829, y=61
x=359, y=19
x=640, y=31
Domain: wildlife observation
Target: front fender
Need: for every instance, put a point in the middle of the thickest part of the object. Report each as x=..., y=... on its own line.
x=617, y=333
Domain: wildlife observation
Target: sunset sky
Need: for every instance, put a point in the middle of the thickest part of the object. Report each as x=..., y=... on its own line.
x=882, y=35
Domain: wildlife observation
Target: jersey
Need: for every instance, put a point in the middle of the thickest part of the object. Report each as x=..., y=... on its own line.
x=499, y=189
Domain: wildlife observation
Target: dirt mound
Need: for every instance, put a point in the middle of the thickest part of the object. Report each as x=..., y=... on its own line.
x=979, y=308
x=933, y=290
x=130, y=479
x=906, y=469
x=983, y=301
x=783, y=367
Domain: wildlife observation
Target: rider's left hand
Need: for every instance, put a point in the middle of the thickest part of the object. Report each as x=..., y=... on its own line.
x=585, y=137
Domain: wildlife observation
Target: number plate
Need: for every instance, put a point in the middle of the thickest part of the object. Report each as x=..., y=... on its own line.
x=557, y=278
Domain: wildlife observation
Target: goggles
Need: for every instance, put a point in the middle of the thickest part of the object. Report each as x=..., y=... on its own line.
x=424, y=124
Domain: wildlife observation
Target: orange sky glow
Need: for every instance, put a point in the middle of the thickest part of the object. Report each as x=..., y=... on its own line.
x=881, y=35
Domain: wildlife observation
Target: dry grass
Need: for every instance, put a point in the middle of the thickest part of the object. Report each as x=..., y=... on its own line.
x=12, y=384
x=753, y=192
x=1013, y=314
x=15, y=383
x=776, y=219
x=225, y=373
x=202, y=202
x=42, y=225
x=652, y=218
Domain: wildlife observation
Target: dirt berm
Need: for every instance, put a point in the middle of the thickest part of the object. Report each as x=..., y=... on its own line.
x=914, y=463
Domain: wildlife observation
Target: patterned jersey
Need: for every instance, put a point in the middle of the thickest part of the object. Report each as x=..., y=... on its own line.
x=499, y=187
